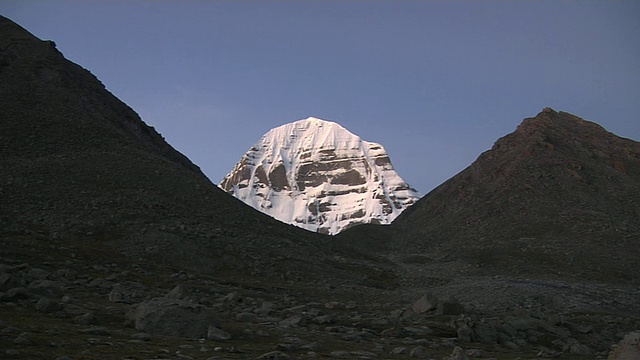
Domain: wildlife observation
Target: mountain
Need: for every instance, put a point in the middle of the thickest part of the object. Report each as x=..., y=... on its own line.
x=559, y=197
x=80, y=166
x=317, y=175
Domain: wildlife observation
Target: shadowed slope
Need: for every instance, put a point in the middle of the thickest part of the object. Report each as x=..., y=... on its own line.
x=80, y=165
x=557, y=197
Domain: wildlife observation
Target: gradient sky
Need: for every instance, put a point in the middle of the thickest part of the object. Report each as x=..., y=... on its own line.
x=435, y=82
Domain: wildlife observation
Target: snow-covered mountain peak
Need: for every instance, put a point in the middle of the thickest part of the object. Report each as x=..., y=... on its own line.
x=318, y=175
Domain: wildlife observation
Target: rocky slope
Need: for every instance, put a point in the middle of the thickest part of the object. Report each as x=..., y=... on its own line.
x=80, y=165
x=317, y=175
x=558, y=198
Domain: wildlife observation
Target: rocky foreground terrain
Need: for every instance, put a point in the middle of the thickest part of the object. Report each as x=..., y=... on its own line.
x=65, y=300
x=115, y=246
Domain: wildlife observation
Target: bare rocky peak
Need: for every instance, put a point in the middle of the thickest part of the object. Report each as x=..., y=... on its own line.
x=317, y=175
x=559, y=192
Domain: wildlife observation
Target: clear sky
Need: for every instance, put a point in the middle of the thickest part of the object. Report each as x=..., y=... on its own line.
x=435, y=82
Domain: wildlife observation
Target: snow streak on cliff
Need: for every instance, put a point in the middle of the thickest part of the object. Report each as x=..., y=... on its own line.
x=317, y=175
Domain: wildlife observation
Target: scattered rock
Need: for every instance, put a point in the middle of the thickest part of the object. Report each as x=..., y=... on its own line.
x=580, y=349
x=247, y=317
x=419, y=352
x=574, y=347
x=119, y=294
x=37, y=274
x=215, y=333
x=46, y=306
x=340, y=354
x=449, y=306
x=426, y=303
x=627, y=348
x=360, y=354
x=545, y=352
x=314, y=346
x=486, y=333
x=580, y=328
x=413, y=331
x=293, y=320
x=524, y=324
x=9, y=281
x=172, y=317
x=14, y=294
x=178, y=292
x=323, y=319
x=458, y=353
x=274, y=355
x=85, y=319
x=476, y=353
x=97, y=330
x=23, y=339
x=464, y=333
x=46, y=288
x=141, y=336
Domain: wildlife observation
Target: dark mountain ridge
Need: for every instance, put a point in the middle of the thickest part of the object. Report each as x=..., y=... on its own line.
x=80, y=165
x=558, y=195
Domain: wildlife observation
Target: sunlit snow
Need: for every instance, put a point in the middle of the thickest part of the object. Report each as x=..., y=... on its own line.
x=319, y=157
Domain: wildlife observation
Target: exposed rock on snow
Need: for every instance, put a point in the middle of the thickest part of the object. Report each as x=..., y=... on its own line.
x=319, y=176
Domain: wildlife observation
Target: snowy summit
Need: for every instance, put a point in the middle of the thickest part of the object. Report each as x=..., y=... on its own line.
x=317, y=175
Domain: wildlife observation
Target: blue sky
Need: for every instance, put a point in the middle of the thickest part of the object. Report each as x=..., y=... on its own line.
x=435, y=82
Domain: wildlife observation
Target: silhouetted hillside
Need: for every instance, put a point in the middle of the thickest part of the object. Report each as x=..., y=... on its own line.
x=77, y=163
x=560, y=196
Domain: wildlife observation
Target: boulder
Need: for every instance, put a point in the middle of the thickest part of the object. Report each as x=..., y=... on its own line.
x=85, y=319
x=37, y=274
x=215, y=333
x=449, y=306
x=464, y=333
x=9, y=281
x=19, y=293
x=419, y=352
x=45, y=305
x=580, y=349
x=524, y=323
x=340, y=354
x=178, y=292
x=274, y=355
x=172, y=317
x=120, y=294
x=247, y=317
x=427, y=302
x=458, y=353
x=293, y=320
x=23, y=339
x=627, y=348
x=46, y=288
x=486, y=333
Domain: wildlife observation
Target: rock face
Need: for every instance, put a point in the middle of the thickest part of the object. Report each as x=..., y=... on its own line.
x=319, y=176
